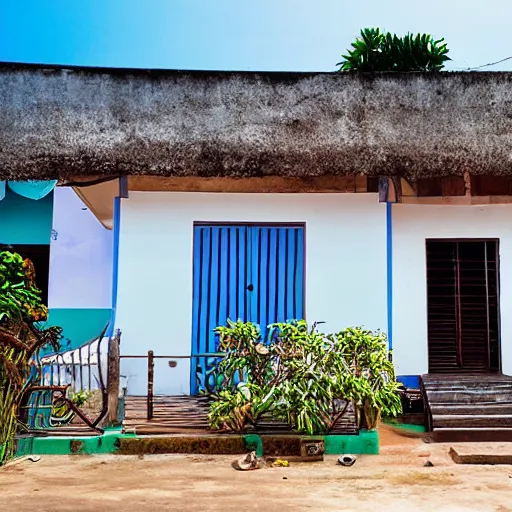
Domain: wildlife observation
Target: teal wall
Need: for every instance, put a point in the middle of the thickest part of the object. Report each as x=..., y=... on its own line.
x=29, y=222
x=25, y=221
x=80, y=326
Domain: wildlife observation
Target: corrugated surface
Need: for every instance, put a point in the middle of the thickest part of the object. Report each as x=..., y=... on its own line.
x=252, y=273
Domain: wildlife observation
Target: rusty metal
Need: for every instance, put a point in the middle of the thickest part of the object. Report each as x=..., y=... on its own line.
x=45, y=404
x=151, y=375
x=62, y=391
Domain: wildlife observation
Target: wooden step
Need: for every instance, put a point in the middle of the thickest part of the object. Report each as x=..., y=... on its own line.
x=468, y=402
x=472, y=421
x=184, y=413
x=468, y=409
x=477, y=396
x=470, y=435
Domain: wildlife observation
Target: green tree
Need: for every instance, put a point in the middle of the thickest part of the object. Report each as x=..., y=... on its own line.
x=376, y=51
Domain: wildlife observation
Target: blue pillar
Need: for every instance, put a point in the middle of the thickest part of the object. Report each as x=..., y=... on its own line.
x=389, y=264
x=115, y=262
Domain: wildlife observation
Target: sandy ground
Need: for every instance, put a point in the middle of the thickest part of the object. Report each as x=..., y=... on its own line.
x=393, y=481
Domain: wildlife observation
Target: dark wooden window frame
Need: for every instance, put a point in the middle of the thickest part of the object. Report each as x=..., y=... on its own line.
x=498, y=284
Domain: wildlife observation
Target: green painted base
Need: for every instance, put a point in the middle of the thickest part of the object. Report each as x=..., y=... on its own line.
x=366, y=443
x=113, y=441
x=61, y=445
x=408, y=426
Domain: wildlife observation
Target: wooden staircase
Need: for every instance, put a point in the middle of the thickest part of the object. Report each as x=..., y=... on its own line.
x=468, y=407
x=188, y=414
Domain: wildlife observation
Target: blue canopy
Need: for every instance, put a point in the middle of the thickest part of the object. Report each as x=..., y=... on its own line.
x=31, y=189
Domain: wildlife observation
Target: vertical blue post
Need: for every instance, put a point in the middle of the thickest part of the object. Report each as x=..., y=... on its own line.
x=115, y=262
x=389, y=264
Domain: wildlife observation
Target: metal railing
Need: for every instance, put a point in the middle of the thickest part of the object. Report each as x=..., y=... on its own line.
x=47, y=403
x=208, y=377
x=84, y=368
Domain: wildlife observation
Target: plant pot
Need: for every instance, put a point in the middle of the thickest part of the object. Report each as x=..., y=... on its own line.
x=372, y=417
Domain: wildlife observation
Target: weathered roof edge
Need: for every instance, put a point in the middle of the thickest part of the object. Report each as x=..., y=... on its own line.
x=123, y=71
x=62, y=121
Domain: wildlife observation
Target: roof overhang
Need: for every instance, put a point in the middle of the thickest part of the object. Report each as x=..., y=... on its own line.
x=70, y=122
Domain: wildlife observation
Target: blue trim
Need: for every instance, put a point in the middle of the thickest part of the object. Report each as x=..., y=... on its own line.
x=115, y=263
x=409, y=381
x=389, y=263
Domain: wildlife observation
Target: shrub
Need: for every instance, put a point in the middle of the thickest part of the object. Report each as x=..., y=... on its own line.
x=303, y=377
x=376, y=51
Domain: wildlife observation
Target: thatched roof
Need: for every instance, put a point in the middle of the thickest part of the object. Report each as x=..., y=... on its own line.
x=69, y=122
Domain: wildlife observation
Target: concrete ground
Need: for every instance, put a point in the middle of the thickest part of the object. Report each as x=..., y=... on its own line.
x=395, y=481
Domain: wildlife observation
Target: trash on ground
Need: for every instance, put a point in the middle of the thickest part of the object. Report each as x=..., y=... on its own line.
x=19, y=460
x=248, y=462
x=347, y=460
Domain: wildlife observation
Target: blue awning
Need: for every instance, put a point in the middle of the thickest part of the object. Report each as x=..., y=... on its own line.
x=30, y=189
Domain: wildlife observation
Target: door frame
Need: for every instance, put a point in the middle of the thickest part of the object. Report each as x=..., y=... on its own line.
x=498, y=286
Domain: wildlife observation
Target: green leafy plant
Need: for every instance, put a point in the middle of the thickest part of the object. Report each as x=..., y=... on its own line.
x=371, y=385
x=303, y=377
x=79, y=398
x=248, y=383
x=21, y=338
x=376, y=51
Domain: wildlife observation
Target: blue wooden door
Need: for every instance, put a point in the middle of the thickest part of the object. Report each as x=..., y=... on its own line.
x=277, y=274
x=252, y=273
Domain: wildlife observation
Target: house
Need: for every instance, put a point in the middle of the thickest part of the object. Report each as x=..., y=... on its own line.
x=382, y=201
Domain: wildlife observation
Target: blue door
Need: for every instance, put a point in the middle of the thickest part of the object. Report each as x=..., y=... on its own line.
x=255, y=273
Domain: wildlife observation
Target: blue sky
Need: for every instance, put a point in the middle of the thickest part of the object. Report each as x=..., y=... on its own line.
x=288, y=35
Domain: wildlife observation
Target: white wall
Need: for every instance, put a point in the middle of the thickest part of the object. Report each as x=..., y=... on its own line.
x=80, y=256
x=412, y=225
x=345, y=267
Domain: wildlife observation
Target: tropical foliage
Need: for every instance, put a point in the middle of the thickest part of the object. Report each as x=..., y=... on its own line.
x=21, y=337
x=303, y=377
x=376, y=51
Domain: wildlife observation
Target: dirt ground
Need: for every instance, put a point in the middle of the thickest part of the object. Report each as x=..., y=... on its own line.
x=395, y=481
